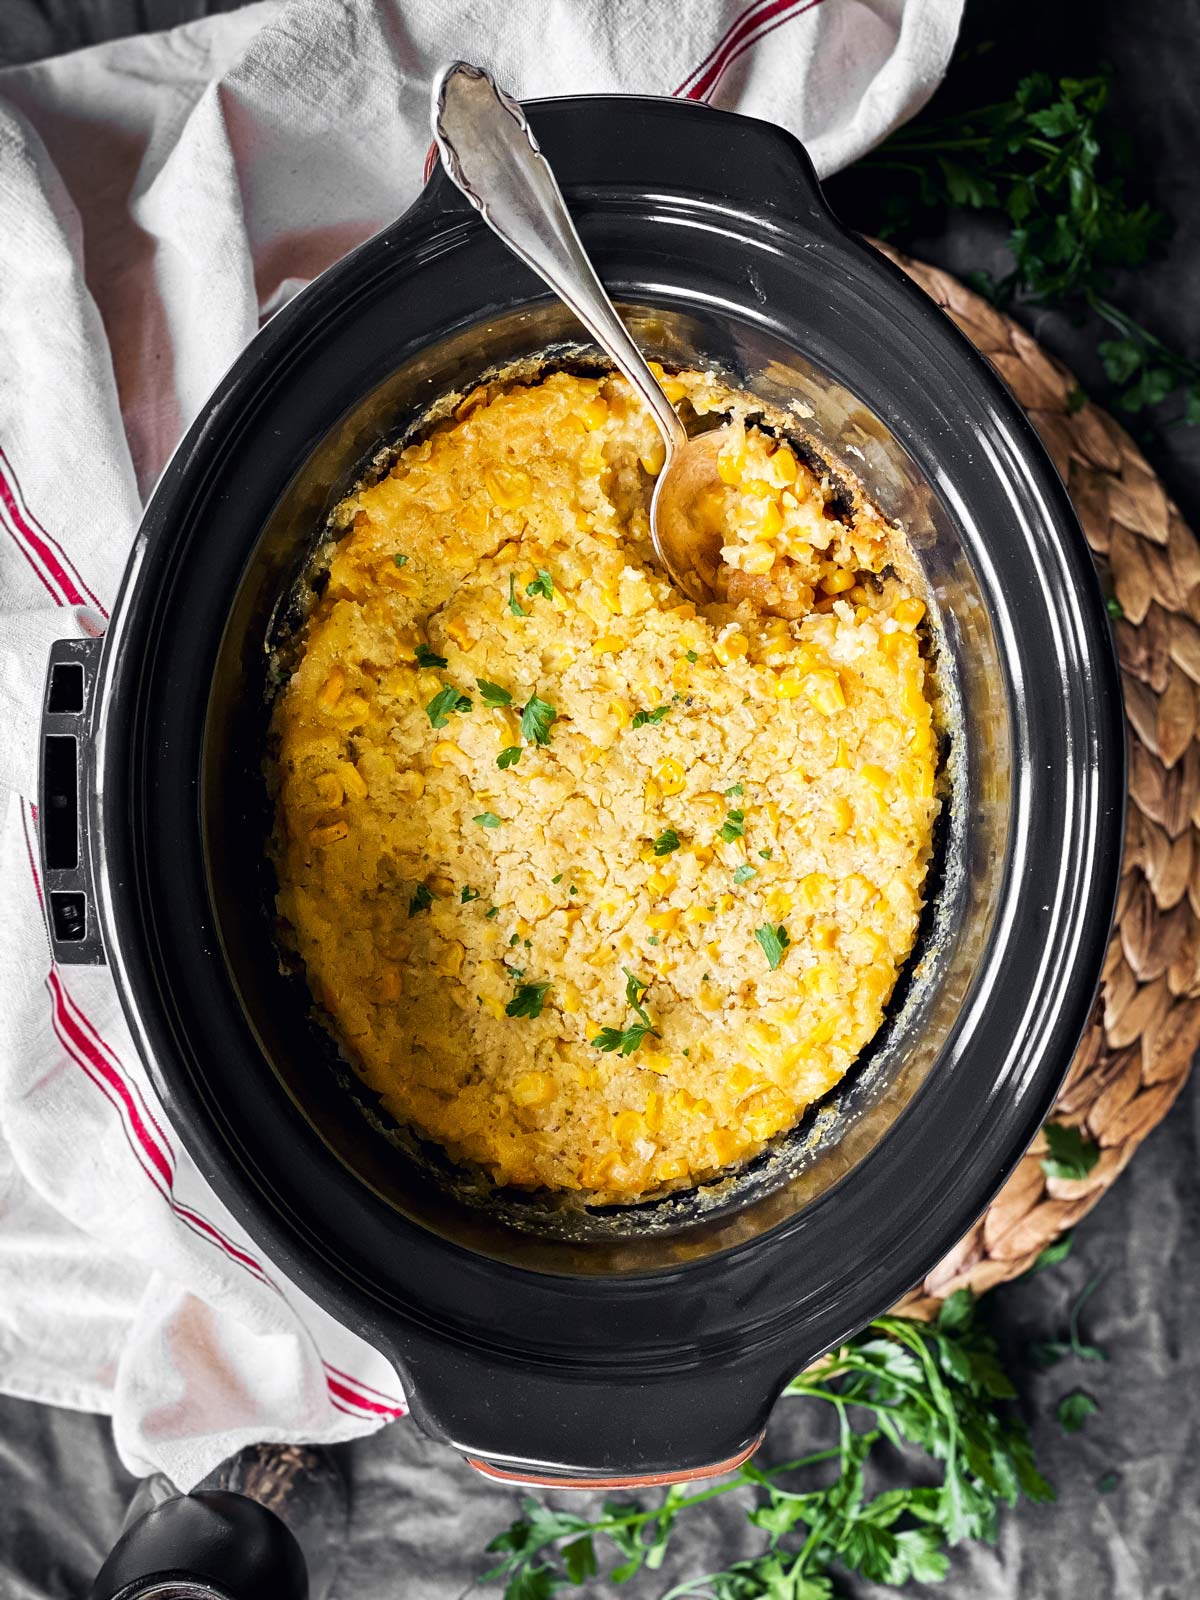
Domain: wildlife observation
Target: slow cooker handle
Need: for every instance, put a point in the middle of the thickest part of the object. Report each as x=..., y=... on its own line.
x=668, y=145
x=65, y=782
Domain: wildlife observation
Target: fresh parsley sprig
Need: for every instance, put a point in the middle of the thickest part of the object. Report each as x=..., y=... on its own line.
x=528, y=1000
x=627, y=1040
x=1051, y=163
x=934, y=1388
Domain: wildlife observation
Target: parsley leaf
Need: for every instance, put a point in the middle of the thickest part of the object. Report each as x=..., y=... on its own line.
x=468, y=895
x=692, y=657
x=492, y=911
x=734, y=788
x=427, y=658
x=626, y=1040
x=642, y=718
x=508, y=757
x=1114, y=608
x=765, y=854
x=667, y=841
x=527, y=1001
x=536, y=720
x=634, y=990
x=446, y=700
x=422, y=899
x=1071, y=1155
x=774, y=942
x=487, y=819
x=543, y=584
x=1049, y=1352
x=492, y=694
x=514, y=605
x=1053, y=1253
x=557, y=878
x=1074, y=1409
x=400, y=560
x=744, y=873
x=734, y=826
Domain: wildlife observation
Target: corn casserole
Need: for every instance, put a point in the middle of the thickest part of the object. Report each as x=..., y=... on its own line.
x=599, y=890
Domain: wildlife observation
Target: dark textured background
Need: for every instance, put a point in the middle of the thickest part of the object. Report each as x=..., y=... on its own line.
x=420, y=1516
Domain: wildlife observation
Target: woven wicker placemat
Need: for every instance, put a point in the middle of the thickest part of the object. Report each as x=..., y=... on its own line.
x=1136, y=1053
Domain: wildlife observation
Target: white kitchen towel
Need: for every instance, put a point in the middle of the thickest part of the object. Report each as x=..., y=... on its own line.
x=159, y=197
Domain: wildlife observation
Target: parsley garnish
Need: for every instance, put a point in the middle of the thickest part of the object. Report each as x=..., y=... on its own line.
x=1049, y=1352
x=744, y=873
x=468, y=895
x=493, y=911
x=627, y=1040
x=1049, y=160
x=427, y=658
x=492, y=694
x=692, y=657
x=1074, y=1409
x=446, y=700
x=641, y=718
x=421, y=900
x=557, y=878
x=401, y=561
x=527, y=1002
x=574, y=890
x=938, y=1387
x=1071, y=1155
x=765, y=854
x=734, y=788
x=487, y=819
x=536, y=720
x=514, y=605
x=652, y=939
x=733, y=826
x=1114, y=608
x=543, y=584
x=508, y=757
x=774, y=942
x=667, y=841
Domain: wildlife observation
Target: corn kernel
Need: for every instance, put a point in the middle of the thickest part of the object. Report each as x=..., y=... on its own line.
x=622, y=711
x=857, y=594
x=450, y=963
x=628, y=1126
x=533, y=1089
x=594, y=413
x=780, y=902
x=731, y=647
x=697, y=914
x=842, y=814
x=329, y=789
x=838, y=582
x=757, y=560
x=908, y=612
x=772, y=521
x=652, y=1111
x=842, y=757
x=657, y=368
x=328, y=833
x=660, y=883
x=725, y=902
x=824, y=691
x=674, y=390
x=668, y=1167
x=459, y=631
x=476, y=398
x=330, y=691
x=608, y=645
x=388, y=986
x=353, y=781
x=789, y=687
x=509, y=487
x=653, y=458
x=730, y=466
x=875, y=776
x=444, y=754
x=656, y=1061
x=784, y=465
x=671, y=776
x=724, y=1145
x=663, y=921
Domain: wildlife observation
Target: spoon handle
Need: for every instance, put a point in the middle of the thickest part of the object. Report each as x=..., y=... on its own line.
x=490, y=153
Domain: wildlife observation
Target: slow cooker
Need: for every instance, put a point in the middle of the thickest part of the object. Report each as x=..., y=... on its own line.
x=647, y=1343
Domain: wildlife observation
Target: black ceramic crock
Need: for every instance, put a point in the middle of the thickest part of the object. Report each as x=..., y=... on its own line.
x=654, y=1340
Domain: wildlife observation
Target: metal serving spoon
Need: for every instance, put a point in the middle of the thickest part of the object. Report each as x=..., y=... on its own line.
x=490, y=153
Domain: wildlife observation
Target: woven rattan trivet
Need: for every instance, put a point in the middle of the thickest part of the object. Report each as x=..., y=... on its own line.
x=1135, y=1056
